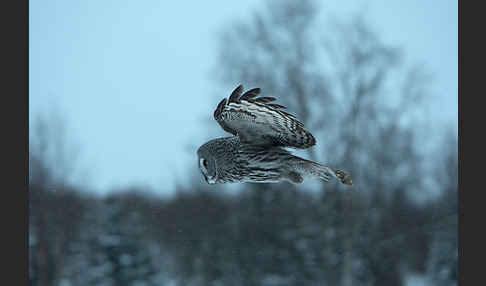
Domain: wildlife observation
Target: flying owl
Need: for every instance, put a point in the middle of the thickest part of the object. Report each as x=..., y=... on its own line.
x=255, y=153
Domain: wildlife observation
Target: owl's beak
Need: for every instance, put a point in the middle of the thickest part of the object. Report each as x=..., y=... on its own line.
x=211, y=180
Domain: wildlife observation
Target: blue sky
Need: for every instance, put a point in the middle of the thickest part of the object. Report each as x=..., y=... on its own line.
x=133, y=77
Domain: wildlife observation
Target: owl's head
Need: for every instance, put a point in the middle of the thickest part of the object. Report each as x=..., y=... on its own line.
x=207, y=164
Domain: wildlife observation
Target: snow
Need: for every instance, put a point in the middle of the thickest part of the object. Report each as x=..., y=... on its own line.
x=416, y=280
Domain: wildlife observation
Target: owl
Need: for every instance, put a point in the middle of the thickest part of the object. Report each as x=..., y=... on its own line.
x=256, y=150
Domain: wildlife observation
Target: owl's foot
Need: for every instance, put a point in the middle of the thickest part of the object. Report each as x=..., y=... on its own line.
x=295, y=177
x=343, y=177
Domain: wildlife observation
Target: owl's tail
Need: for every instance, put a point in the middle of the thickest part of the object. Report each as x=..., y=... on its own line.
x=324, y=172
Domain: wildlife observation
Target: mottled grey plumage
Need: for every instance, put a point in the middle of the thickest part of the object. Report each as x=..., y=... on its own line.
x=255, y=151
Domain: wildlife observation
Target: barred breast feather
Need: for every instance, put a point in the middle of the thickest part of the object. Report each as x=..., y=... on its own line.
x=256, y=121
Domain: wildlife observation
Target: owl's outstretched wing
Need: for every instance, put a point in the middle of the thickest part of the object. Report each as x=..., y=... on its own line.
x=256, y=121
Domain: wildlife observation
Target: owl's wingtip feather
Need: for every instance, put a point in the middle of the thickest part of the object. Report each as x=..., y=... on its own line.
x=235, y=95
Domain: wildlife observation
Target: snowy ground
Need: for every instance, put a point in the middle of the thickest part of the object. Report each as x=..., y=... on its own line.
x=416, y=280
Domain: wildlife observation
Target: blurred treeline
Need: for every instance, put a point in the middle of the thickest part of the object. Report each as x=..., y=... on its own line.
x=362, y=102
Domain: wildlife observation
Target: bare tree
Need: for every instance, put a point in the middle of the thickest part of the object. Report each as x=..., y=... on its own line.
x=55, y=210
x=352, y=90
x=275, y=50
x=442, y=264
x=51, y=144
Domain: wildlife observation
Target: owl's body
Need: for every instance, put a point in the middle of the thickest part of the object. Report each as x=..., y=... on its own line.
x=255, y=153
x=240, y=162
